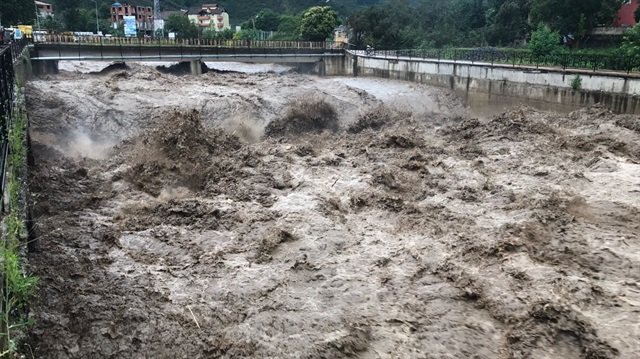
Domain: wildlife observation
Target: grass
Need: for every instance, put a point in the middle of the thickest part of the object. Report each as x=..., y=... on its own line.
x=17, y=288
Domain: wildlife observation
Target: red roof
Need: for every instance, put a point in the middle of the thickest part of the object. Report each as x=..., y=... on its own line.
x=626, y=14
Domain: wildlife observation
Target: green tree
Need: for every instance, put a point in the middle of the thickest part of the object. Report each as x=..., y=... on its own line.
x=574, y=16
x=507, y=22
x=77, y=19
x=631, y=42
x=181, y=25
x=379, y=27
x=544, y=41
x=289, y=24
x=15, y=12
x=318, y=23
x=267, y=20
x=51, y=24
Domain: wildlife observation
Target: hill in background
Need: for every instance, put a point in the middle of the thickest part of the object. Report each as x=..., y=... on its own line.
x=239, y=10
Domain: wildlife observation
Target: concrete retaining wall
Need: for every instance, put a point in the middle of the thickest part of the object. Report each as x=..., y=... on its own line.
x=502, y=85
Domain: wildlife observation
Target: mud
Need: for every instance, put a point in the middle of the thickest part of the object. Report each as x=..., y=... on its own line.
x=303, y=115
x=179, y=229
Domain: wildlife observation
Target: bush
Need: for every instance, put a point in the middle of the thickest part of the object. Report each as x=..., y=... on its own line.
x=544, y=41
x=226, y=34
x=576, y=83
x=631, y=42
x=248, y=34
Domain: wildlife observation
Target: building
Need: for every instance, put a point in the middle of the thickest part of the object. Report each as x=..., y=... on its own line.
x=143, y=15
x=612, y=36
x=626, y=14
x=44, y=9
x=340, y=35
x=211, y=17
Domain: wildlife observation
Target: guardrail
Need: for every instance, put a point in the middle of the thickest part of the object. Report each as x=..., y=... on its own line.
x=516, y=57
x=140, y=41
x=17, y=47
x=7, y=77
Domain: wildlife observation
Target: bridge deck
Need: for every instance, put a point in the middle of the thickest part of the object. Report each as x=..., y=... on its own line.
x=177, y=52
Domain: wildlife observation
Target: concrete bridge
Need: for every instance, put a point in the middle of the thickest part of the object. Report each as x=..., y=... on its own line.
x=45, y=55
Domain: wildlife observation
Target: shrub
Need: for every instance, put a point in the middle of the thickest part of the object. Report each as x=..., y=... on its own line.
x=544, y=41
x=631, y=42
x=576, y=83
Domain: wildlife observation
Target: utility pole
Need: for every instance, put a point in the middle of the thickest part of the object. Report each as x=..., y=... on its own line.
x=157, y=17
x=97, y=23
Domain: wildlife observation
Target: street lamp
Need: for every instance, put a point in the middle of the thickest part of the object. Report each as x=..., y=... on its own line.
x=97, y=23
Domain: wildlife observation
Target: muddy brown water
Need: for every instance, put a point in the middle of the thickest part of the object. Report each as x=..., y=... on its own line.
x=169, y=233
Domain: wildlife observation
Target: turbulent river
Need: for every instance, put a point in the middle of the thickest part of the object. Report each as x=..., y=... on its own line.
x=212, y=216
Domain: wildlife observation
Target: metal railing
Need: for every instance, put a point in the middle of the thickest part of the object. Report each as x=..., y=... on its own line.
x=16, y=47
x=516, y=57
x=141, y=41
x=7, y=96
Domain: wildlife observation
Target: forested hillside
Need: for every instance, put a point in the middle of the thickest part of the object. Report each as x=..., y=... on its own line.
x=239, y=10
x=438, y=23
x=381, y=23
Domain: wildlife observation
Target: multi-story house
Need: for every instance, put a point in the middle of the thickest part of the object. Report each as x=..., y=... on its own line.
x=212, y=17
x=626, y=14
x=44, y=9
x=143, y=15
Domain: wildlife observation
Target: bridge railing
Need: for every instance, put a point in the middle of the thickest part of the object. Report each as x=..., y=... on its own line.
x=517, y=57
x=140, y=41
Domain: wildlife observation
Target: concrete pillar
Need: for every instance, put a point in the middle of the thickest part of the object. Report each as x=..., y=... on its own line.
x=321, y=68
x=44, y=67
x=354, y=69
x=196, y=67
